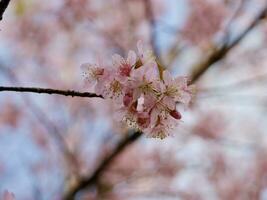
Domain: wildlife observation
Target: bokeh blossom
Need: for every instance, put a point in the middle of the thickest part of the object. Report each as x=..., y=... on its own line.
x=145, y=97
x=8, y=195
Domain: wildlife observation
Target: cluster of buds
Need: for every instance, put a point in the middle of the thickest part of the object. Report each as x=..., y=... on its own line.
x=145, y=95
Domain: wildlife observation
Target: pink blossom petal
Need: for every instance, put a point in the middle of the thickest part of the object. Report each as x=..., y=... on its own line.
x=167, y=77
x=154, y=117
x=143, y=119
x=185, y=98
x=140, y=49
x=131, y=59
x=152, y=73
x=127, y=99
x=169, y=102
x=140, y=103
x=117, y=60
x=181, y=81
x=137, y=74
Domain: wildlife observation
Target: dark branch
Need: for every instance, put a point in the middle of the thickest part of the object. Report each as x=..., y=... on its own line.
x=87, y=181
x=3, y=7
x=151, y=19
x=49, y=91
x=198, y=70
x=221, y=52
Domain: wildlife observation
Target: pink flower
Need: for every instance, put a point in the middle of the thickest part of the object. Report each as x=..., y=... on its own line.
x=128, y=115
x=92, y=72
x=162, y=128
x=8, y=195
x=143, y=99
x=145, y=56
x=143, y=120
x=177, y=88
x=127, y=99
x=124, y=66
x=112, y=89
x=145, y=80
x=162, y=117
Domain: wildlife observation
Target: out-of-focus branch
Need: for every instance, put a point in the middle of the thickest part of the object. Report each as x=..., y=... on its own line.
x=222, y=51
x=233, y=87
x=198, y=71
x=49, y=91
x=69, y=158
x=174, y=52
x=3, y=7
x=153, y=34
x=230, y=21
x=87, y=181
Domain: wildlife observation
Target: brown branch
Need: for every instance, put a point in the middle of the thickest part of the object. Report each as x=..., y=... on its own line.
x=229, y=22
x=151, y=19
x=71, y=93
x=200, y=69
x=221, y=52
x=233, y=87
x=87, y=181
x=3, y=7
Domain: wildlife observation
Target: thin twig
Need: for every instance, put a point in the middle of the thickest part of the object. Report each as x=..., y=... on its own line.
x=3, y=7
x=232, y=87
x=153, y=33
x=221, y=52
x=232, y=18
x=49, y=91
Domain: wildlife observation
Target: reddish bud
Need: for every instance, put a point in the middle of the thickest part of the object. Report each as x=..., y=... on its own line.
x=127, y=99
x=175, y=114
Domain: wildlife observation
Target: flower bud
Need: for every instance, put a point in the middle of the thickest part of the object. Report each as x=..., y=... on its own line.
x=175, y=114
x=127, y=99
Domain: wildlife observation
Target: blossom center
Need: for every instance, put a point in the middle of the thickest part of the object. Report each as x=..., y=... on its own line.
x=116, y=87
x=125, y=69
x=96, y=72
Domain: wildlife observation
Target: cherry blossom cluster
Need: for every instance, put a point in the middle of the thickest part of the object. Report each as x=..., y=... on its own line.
x=145, y=95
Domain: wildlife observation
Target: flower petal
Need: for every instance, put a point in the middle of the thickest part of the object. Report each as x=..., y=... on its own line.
x=117, y=60
x=167, y=77
x=131, y=59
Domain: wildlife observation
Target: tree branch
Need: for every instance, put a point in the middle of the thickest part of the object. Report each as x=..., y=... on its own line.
x=221, y=52
x=49, y=91
x=198, y=70
x=151, y=19
x=87, y=181
x=3, y=7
